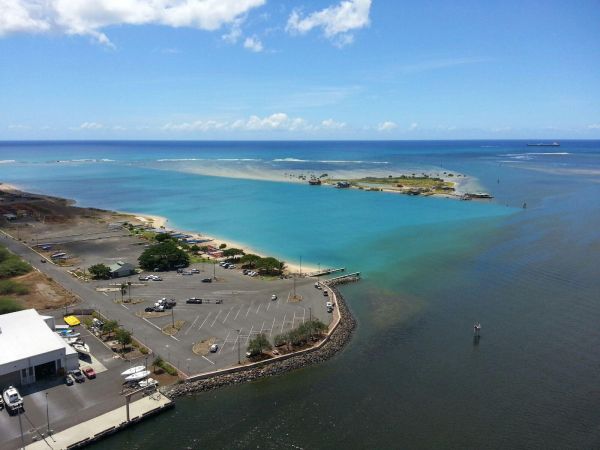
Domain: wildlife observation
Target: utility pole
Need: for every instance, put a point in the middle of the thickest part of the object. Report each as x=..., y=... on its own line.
x=21, y=428
x=129, y=285
x=173, y=318
x=214, y=269
x=238, y=342
x=47, y=414
x=310, y=313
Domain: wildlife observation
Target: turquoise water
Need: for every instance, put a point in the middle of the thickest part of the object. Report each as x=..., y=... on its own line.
x=412, y=377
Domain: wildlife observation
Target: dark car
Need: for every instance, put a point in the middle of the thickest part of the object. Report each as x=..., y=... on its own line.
x=169, y=304
x=79, y=378
x=194, y=300
x=43, y=260
x=69, y=380
x=149, y=309
x=218, y=301
x=325, y=294
x=207, y=280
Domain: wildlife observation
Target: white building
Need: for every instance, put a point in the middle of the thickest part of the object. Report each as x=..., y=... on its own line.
x=30, y=349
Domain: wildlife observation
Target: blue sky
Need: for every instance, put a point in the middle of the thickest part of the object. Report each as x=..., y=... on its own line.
x=328, y=69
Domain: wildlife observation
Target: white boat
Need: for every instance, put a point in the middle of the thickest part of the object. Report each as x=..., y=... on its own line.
x=138, y=376
x=12, y=399
x=81, y=348
x=148, y=383
x=133, y=370
x=70, y=340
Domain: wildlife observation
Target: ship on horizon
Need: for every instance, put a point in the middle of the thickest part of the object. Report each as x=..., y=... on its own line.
x=544, y=144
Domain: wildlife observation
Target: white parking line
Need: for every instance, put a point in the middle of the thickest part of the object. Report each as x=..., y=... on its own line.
x=174, y=337
x=268, y=306
x=208, y=360
x=205, y=319
x=283, y=323
x=294, y=319
x=192, y=325
x=249, y=334
x=238, y=313
x=257, y=309
x=249, y=309
x=105, y=294
x=227, y=315
x=123, y=306
x=216, y=317
x=263, y=326
x=272, y=326
x=304, y=316
x=224, y=342
x=154, y=325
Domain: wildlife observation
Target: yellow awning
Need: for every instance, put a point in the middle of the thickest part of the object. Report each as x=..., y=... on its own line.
x=71, y=320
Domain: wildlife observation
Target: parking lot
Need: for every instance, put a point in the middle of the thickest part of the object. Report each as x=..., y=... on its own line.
x=67, y=405
x=246, y=309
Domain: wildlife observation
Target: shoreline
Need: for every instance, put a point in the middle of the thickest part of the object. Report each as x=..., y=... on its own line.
x=157, y=221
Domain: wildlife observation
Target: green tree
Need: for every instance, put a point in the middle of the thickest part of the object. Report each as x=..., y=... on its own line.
x=162, y=237
x=233, y=252
x=259, y=344
x=164, y=256
x=123, y=337
x=270, y=265
x=249, y=260
x=99, y=271
x=110, y=326
x=222, y=246
x=194, y=248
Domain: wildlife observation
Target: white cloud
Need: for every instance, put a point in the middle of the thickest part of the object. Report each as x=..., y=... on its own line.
x=387, y=126
x=235, y=32
x=89, y=17
x=18, y=126
x=413, y=126
x=253, y=44
x=91, y=126
x=277, y=121
x=331, y=124
x=336, y=21
x=594, y=126
x=198, y=125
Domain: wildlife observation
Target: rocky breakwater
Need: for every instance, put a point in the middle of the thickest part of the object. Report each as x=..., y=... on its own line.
x=337, y=339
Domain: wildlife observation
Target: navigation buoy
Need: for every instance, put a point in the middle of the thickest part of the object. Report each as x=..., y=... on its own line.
x=476, y=328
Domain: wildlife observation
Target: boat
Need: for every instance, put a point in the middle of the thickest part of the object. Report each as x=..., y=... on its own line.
x=342, y=185
x=148, y=383
x=71, y=340
x=476, y=328
x=12, y=399
x=314, y=182
x=138, y=376
x=133, y=370
x=544, y=144
x=69, y=335
x=81, y=348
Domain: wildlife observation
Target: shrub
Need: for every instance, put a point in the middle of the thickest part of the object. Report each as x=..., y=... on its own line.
x=13, y=267
x=144, y=350
x=259, y=344
x=8, y=305
x=8, y=287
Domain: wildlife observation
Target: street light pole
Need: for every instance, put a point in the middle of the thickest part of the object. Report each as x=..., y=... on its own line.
x=21, y=428
x=47, y=414
x=239, y=358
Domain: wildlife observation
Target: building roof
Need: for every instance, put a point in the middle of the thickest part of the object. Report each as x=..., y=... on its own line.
x=120, y=265
x=24, y=334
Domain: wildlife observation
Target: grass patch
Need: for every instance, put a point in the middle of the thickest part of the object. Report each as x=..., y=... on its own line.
x=8, y=305
x=11, y=265
x=11, y=287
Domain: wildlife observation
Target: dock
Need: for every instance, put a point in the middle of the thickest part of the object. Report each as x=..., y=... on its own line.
x=106, y=424
x=342, y=279
x=325, y=272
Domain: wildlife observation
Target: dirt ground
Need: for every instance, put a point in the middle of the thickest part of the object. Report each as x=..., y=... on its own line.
x=44, y=293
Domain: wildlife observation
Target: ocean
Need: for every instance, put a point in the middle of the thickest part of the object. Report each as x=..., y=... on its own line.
x=412, y=377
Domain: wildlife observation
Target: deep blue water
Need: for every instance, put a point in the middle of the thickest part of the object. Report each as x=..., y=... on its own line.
x=412, y=376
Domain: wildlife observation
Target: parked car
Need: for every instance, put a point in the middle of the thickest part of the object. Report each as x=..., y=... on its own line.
x=325, y=293
x=89, y=372
x=317, y=285
x=195, y=270
x=169, y=304
x=186, y=272
x=42, y=260
x=143, y=278
x=329, y=305
x=194, y=301
x=231, y=266
x=79, y=378
x=214, y=348
x=149, y=309
x=274, y=297
x=207, y=280
x=179, y=270
x=218, y=301
x=330, y=309
x=69, y=380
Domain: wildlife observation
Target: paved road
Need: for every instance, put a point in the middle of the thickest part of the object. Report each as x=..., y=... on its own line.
x=91, y=298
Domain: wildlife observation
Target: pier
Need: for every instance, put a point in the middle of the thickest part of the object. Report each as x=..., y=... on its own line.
x=325, y=272
x=342, y=279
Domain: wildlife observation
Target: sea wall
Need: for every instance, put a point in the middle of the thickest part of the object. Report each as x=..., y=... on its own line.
x=338, y=336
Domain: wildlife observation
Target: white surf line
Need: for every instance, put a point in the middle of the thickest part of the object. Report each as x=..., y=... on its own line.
x=238, y=313
x=216, y=317
x=192, y=325
x=283, y=323
x=257, y=309
x=205, y=319
x=272, y=326
x=208, y=360
x=227, y=316
x=251, y=304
